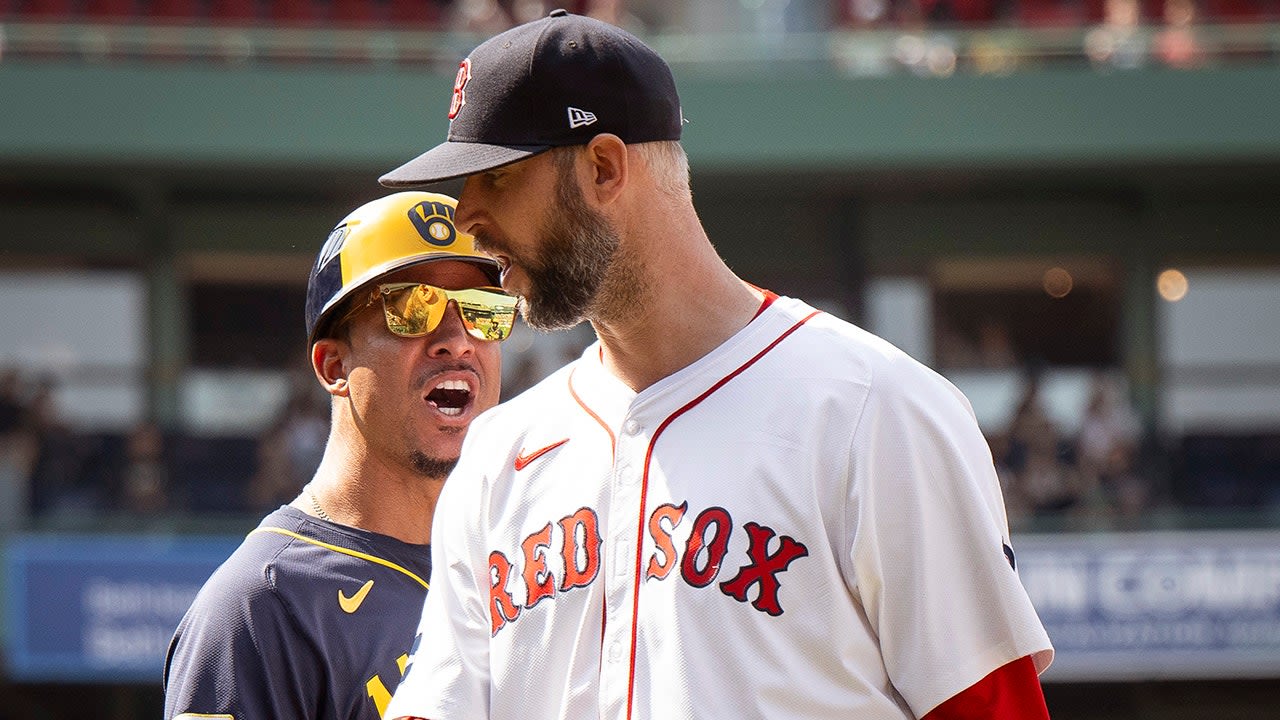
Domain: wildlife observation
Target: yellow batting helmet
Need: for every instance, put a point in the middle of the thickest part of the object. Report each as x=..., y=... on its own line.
x=387, y=234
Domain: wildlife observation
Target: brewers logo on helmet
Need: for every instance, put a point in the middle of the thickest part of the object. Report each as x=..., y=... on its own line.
x=387, y=234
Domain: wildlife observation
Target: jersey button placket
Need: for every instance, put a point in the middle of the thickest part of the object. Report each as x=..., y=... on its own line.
x=625, y=507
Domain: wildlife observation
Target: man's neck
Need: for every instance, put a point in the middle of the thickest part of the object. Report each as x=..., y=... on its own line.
x=357, y=491
x=687, y=314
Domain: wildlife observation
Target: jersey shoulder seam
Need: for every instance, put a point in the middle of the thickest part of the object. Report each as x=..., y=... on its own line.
x=295, y=536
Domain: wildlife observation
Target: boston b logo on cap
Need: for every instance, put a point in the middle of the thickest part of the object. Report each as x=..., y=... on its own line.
x=460, y=88
x=557, y=81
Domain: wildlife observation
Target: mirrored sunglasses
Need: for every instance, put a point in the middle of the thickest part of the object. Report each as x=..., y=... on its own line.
x=415, y=309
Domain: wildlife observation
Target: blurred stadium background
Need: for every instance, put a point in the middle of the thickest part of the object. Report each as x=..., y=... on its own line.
x=1068, y=207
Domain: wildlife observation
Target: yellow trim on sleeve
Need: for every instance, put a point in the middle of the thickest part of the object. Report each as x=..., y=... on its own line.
x=344, y=551
x=195, y=716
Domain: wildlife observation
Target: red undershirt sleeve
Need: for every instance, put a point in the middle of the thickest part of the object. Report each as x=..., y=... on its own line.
x=1011, y=692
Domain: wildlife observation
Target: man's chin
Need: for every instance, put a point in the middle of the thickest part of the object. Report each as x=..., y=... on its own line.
x=432, y=467
x=551, y=314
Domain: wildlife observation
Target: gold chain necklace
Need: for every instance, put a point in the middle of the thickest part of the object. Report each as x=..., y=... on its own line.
x=315, y=505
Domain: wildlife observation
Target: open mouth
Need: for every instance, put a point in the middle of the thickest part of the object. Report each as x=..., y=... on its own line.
x=450, y=397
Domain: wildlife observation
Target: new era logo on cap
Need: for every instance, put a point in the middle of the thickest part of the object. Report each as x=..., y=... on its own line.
x=578, y=118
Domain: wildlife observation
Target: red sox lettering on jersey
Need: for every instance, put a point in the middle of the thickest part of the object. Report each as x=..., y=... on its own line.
x=577, y=541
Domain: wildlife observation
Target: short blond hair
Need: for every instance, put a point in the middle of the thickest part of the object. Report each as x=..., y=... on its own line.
x=668, y=165
x=665, y=160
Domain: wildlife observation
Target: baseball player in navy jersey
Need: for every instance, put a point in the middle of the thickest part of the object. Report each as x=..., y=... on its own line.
x=313, y=616
x=732, y=505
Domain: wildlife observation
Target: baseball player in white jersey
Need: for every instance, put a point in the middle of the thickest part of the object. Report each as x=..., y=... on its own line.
x=732, y=505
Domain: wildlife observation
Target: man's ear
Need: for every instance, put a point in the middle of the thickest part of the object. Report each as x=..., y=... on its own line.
x=607, y=156
x=329, y=361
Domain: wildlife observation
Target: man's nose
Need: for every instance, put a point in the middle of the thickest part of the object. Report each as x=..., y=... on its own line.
x=451, y=337
x=466, y=214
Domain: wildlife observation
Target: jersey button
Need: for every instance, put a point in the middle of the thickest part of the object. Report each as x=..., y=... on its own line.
x=632, y=427
x=615, y=652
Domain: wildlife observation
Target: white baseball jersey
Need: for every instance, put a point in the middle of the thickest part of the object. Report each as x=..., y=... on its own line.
x=805, y=523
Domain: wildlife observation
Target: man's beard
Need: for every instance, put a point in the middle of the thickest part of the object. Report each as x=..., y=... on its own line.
x=577, y=260
x=432, y=467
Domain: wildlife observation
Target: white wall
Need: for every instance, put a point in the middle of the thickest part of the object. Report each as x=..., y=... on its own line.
x=1220, y=352
x=85, y=329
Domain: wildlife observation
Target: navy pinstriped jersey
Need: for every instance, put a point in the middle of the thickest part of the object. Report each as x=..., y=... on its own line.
x=306, y=620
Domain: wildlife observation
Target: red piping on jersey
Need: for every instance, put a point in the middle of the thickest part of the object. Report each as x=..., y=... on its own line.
x=644, y=494
x=769, y=297
x=612, y=442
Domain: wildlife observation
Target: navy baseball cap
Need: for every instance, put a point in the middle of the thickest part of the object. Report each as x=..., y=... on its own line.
x=557, y=81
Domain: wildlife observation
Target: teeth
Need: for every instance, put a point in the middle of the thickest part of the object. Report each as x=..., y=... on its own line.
x=449, y=411
x=453, y=385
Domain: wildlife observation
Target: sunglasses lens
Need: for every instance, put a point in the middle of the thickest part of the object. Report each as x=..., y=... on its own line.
x=415, y=310
x=488, y=315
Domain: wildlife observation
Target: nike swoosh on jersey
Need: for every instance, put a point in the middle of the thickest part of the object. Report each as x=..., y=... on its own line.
x=352, y=604
x=523, y=460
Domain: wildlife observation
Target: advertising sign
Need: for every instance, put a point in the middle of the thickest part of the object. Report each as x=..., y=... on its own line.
x=101, y=608
x=1137, y=606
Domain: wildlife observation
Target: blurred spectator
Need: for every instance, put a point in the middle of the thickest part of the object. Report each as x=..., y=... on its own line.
x=863, y=14
x=59, y=485
x=1117, y=42
x=857, y=52
x=12, y=408
x=523, y=11
x=290, y=450
x=995, y=345
x=1016, y=508
x=144, y=480
x=921, y=48
x=1107, y=449
x=1109, y=425
x=989, y=346
x=18, y=446
x=615, y=12
x=1176, y=44
x=483, y=17
x=1043, y=480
